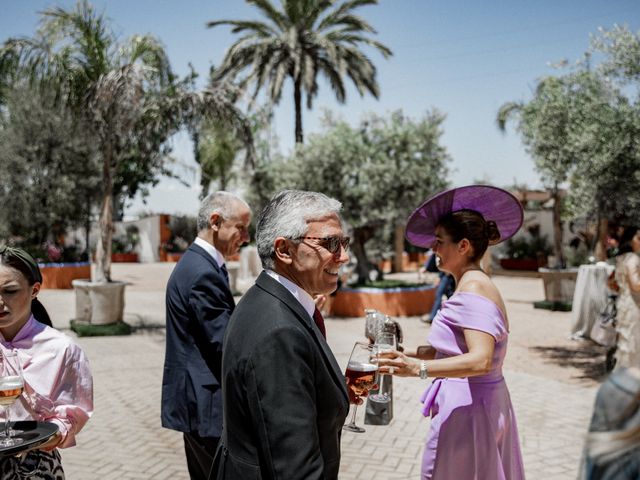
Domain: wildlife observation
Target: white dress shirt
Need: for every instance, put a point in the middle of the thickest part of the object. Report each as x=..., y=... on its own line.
x=301, y=295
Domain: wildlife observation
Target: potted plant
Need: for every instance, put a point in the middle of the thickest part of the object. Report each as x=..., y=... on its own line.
x=123, y=246
x=60, y=265
x=183, y=231
x=528, y=252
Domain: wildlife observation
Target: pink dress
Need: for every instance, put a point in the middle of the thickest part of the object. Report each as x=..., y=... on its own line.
x=473, y=433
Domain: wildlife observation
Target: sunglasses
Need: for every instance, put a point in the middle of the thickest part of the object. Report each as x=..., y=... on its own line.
x=332, y=244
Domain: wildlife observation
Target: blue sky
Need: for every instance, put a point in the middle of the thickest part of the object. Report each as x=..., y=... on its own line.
x=464, y=58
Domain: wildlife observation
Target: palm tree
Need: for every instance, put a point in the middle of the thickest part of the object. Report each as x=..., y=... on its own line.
x=126, y=92
x=304, y=38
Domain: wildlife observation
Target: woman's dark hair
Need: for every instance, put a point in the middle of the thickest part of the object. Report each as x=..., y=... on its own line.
x=471, y=225
x=625, y=239
x=10, y=259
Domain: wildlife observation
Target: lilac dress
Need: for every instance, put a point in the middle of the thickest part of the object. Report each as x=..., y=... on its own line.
x=473, y=433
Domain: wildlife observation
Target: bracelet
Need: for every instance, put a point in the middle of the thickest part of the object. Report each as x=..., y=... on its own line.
x=423, y=370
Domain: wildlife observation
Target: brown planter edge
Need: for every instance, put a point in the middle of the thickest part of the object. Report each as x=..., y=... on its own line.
x=396, y=302
x=124, y=257
x=174, y=256
x=520, y=264
x=60, y=275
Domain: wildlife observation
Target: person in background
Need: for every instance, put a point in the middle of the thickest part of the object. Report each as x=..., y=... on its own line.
x=612, y=448
x=285, y=397
x=58, y=385
x=627, y=279
x=473, y=431
x=445, y=287
x=199, y=304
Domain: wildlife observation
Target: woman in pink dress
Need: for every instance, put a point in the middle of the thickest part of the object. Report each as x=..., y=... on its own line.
x=473, y=432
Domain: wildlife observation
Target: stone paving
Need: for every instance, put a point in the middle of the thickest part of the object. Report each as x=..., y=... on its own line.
x=124, y=439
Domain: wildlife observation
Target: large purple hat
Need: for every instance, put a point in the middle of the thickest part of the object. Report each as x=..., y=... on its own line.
x=492, y=203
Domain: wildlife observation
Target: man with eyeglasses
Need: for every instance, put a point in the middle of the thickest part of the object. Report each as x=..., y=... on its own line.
x=285, y=398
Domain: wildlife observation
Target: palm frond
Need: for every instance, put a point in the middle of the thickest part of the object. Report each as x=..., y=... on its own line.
x=266, y=7
x=506, y=112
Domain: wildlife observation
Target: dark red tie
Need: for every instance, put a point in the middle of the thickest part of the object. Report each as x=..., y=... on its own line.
x=317, y=317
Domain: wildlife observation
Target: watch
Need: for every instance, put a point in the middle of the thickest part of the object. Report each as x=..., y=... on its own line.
x=423, y=370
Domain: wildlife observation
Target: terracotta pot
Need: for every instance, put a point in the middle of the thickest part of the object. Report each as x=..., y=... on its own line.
x=60, y=275
x=124, y=257
x=520, y=264
x=396, y=302
x=173, y=256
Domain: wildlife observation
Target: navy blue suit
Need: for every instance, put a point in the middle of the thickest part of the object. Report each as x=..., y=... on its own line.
x=199, y=304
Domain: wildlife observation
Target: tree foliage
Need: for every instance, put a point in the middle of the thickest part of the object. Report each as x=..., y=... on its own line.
x=126, y=93
x=300, y=41
x=582, y=127
x=50, y=177
x=380, y=170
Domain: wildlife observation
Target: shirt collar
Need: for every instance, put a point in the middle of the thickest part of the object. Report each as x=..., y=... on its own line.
x=24, y=332
x=211, y=250
x=301, y=295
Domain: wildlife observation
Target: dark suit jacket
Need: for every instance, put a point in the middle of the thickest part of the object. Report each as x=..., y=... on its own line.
x=199, y=304
x=285, y=397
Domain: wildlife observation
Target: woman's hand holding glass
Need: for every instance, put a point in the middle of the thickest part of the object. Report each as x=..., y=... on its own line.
x=397, y=363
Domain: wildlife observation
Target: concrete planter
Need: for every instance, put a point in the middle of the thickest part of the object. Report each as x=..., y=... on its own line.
x=559, y=285
x=99, y=303
x=396, y=302
x=60, y=275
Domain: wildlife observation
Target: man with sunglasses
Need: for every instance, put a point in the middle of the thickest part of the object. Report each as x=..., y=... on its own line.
x=285, y=398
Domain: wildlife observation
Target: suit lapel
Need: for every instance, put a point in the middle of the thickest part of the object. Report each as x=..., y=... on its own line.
x=270, y=285
x=198, y=250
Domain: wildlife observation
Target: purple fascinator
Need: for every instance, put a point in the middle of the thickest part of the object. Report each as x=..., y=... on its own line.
x=492, y=203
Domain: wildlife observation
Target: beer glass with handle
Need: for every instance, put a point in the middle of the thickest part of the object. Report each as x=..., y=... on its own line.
x=361, y=376
x=11, y=386
x=384, y=343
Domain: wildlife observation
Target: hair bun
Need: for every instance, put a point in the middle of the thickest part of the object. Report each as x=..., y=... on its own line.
x=492, y=232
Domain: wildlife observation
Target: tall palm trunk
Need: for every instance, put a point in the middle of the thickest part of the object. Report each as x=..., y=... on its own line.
x=103, y=249
x=297, y=99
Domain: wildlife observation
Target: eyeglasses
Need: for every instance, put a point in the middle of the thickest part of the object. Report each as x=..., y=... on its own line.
x=332, y=244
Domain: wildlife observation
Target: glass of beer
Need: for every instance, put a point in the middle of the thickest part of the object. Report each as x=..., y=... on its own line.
x=385, y=343
x=11, y=386
x=361, y=376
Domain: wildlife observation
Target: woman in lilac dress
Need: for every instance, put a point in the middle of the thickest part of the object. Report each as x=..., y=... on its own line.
x=473, y=432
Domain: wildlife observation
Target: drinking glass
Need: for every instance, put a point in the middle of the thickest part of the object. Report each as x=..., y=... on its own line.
x=384, y=343
x=361, y=376
x=11, y=386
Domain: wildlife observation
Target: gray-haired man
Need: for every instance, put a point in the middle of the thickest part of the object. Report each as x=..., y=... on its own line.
x=285, y=397
x=199, y=304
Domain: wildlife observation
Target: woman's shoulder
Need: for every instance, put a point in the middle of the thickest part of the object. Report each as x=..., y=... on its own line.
x=58, y=340
x=482, y=288
x=481, y=285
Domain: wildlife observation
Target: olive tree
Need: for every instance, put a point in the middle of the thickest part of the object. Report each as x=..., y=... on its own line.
x=380, y=170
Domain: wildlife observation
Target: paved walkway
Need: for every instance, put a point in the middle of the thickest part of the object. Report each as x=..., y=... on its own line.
x=551, y=380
